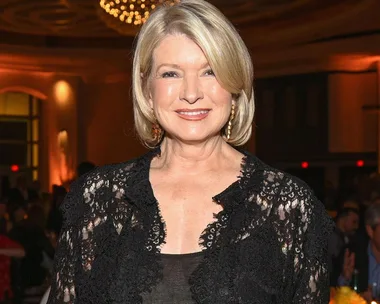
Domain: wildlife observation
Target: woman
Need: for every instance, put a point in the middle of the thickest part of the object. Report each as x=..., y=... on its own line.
x=195, y=220
x=8, y=249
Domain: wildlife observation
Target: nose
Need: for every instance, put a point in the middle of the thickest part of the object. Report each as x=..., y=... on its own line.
x=191, y=90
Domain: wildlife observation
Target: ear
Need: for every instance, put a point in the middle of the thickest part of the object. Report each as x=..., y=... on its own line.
x=369, y=231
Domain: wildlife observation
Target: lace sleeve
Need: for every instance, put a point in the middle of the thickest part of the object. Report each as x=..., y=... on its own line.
x=311, y=259
x=66, y=257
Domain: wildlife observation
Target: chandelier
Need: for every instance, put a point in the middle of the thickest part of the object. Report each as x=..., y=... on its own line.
x=125, y=16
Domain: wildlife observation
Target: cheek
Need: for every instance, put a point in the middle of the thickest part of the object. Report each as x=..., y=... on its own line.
x=163, y=93
x=214, y=90
x=220, y=96
x=170, y=91
x=217, y=90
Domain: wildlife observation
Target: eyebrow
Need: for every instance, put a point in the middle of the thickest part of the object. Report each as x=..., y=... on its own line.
x=176, y=66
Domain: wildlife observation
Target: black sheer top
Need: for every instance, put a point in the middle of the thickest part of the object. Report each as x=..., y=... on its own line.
x=267, y=245
x=174, y=286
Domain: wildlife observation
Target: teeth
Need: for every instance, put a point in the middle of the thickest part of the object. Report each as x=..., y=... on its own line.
x=193, y=113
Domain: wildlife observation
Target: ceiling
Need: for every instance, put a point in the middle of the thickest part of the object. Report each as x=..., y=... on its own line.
x=75, y=23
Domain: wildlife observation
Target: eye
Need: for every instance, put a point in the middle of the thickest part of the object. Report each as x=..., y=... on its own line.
x=169, y=74
x=209, y=72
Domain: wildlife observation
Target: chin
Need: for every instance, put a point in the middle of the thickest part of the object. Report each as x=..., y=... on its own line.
x=191, y=133
x=193, y=138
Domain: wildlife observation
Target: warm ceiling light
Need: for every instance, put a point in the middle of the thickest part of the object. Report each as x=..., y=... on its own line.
x=121, y=14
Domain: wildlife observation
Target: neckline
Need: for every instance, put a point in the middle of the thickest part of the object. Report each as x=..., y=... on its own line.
x=215, y=198
x=182, y=255
x=220, y=199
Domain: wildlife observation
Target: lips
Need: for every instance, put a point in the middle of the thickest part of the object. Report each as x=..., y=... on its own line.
x=193, y=114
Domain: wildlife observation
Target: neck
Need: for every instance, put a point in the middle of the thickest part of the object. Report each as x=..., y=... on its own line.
x=194, y=158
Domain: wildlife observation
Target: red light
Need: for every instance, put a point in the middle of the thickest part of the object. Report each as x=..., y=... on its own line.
x=360, y=163
x=15, y=168
x=305, y=165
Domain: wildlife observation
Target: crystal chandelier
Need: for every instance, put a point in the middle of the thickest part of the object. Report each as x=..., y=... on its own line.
x=125, y=15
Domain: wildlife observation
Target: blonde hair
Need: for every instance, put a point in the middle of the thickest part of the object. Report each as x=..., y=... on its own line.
x=224, y=49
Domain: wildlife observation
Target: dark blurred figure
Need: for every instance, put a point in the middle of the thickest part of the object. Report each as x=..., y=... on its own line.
x=8, y=249
x=84, y=168
x=5, y=187
x=31, y=272
x=376, y=200
x=361, y=268
x=330, y=196
x=17, y=213
x=21, y=194
x=54, y=221
x=36, y=188
x=342, y=239
x=3, y=217
x=5, y=223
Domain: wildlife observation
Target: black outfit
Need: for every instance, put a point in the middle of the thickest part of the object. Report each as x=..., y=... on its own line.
x=267, y=245
x=174, y=286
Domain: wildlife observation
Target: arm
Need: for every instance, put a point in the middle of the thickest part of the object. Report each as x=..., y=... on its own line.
x=11, y=248
x=68, y=252
x=345, y=277
x=83, y=210
x=13, y=252
x=314, y=227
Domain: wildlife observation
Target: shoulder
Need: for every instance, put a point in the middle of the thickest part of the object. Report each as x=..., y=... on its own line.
x=296, y=209
x=112, y=172
x=291, y=197
x=102, y=177
x=93, y=192
x=280, y=182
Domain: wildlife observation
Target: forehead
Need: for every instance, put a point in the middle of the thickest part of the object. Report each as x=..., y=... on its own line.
x=178, y=49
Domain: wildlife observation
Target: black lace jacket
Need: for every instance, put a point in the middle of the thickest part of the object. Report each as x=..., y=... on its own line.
x=267, y=245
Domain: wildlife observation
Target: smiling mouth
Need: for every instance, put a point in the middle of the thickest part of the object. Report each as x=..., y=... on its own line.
x=198, y=114
x=193, y=113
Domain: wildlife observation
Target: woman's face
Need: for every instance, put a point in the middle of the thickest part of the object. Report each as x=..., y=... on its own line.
x=188, y=101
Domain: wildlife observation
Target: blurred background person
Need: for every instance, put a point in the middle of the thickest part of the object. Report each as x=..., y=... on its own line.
x=32, y=272
x=361, y=268
x=8, y=249
x=342, y=238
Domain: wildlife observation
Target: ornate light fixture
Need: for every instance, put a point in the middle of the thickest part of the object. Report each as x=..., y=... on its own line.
x=125, y=15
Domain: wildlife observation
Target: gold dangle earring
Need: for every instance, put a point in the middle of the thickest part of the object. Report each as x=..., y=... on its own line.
x=156, y=131
x=232, y=116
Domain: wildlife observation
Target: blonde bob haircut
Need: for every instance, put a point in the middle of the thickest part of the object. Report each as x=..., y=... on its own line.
x=224, y=49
